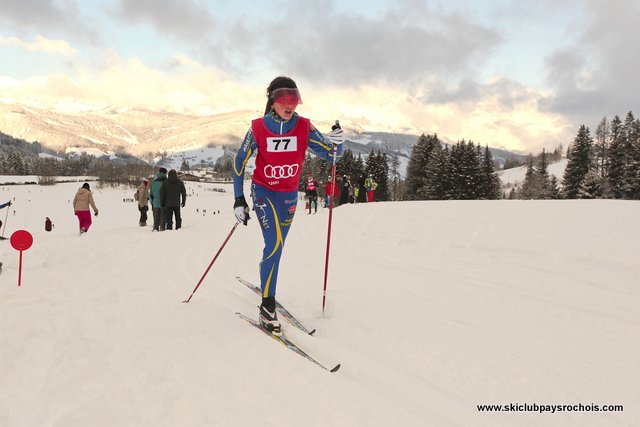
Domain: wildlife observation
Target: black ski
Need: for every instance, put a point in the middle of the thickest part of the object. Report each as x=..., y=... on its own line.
x=287, y=343
x=283, y=311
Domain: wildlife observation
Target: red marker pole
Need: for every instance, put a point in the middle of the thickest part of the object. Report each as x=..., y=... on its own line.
x=212, y=261
x=20, y=271
x=21, y=240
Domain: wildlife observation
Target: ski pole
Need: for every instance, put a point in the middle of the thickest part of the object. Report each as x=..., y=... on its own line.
x=332, y=189
x=212, y=261
x=5, y=222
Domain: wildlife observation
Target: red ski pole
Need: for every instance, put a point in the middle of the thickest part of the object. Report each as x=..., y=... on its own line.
x=212, y=261
x=333, y=192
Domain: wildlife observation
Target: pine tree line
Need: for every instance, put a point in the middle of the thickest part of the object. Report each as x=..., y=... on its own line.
x=16, y=160
x=607, y=167
x=463, y=171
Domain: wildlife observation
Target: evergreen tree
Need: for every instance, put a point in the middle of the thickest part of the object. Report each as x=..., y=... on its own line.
x=437, y=182
x=465, y=171
x=529, y=184
x=543, y=182
x=512, y=162
x=417, y=167
x=395, y=184
x=591, y=188
x=616, y=159
x=4, y=170
x=631, y=131
x=601, y=147
x=489, y=180
x=628, y=180
x=579, y=163
x=15, y=163
x=348, y=165
x=381, y=176
x=554, y=188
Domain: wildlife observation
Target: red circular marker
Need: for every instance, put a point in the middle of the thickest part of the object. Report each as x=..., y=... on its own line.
x=21, y=240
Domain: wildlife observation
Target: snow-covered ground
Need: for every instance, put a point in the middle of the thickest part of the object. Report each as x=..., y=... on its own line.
x=433, y=308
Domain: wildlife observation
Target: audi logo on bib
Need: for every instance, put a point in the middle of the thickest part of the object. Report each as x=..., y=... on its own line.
x=280, y=172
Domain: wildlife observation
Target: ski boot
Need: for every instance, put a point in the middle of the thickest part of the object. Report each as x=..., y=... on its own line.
x=269, y=318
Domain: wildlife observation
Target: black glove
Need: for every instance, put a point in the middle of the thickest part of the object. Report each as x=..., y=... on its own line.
x=183, y=203
x=9, y=204
x=336, y=125
x=241, y=210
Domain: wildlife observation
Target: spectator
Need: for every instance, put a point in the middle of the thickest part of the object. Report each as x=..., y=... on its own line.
x=329, y=191
x=142, y=196
x=312, y=193
x=81, y=203
x=170, y=194
x=361, y=194
x=345, y=190
x=154, y=197
x=370, y=186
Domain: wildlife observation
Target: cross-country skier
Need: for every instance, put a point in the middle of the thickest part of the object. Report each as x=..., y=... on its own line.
x=281, y=139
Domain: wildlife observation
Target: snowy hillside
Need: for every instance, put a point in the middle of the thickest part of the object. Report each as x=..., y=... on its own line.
x=147, y=134
x=515, y=176
x=430, y=310
x=137, y=132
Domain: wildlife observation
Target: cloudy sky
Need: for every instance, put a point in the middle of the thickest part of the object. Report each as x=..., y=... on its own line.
x=515, y=74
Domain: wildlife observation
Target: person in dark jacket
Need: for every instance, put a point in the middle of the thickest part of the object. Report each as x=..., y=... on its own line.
x=170, y=194
x=345, y=190
x=154, y=197
x=362, y=192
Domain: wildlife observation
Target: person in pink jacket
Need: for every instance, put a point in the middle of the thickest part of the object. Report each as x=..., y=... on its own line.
x=81, y=203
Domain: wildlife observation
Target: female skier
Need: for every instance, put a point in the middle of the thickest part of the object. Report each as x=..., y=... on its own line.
x=281, y=139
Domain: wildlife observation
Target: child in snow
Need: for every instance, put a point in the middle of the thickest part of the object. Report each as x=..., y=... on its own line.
x=142, y=197
x=281, y=139
x=81, y=203
x=312, y=194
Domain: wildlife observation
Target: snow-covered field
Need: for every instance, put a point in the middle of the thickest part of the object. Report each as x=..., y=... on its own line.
x=433, y=308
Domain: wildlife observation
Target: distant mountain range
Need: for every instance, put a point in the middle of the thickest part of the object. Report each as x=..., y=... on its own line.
x=149, y=135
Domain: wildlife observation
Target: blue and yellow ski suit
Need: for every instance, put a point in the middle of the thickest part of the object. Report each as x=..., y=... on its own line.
x=273, y=203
